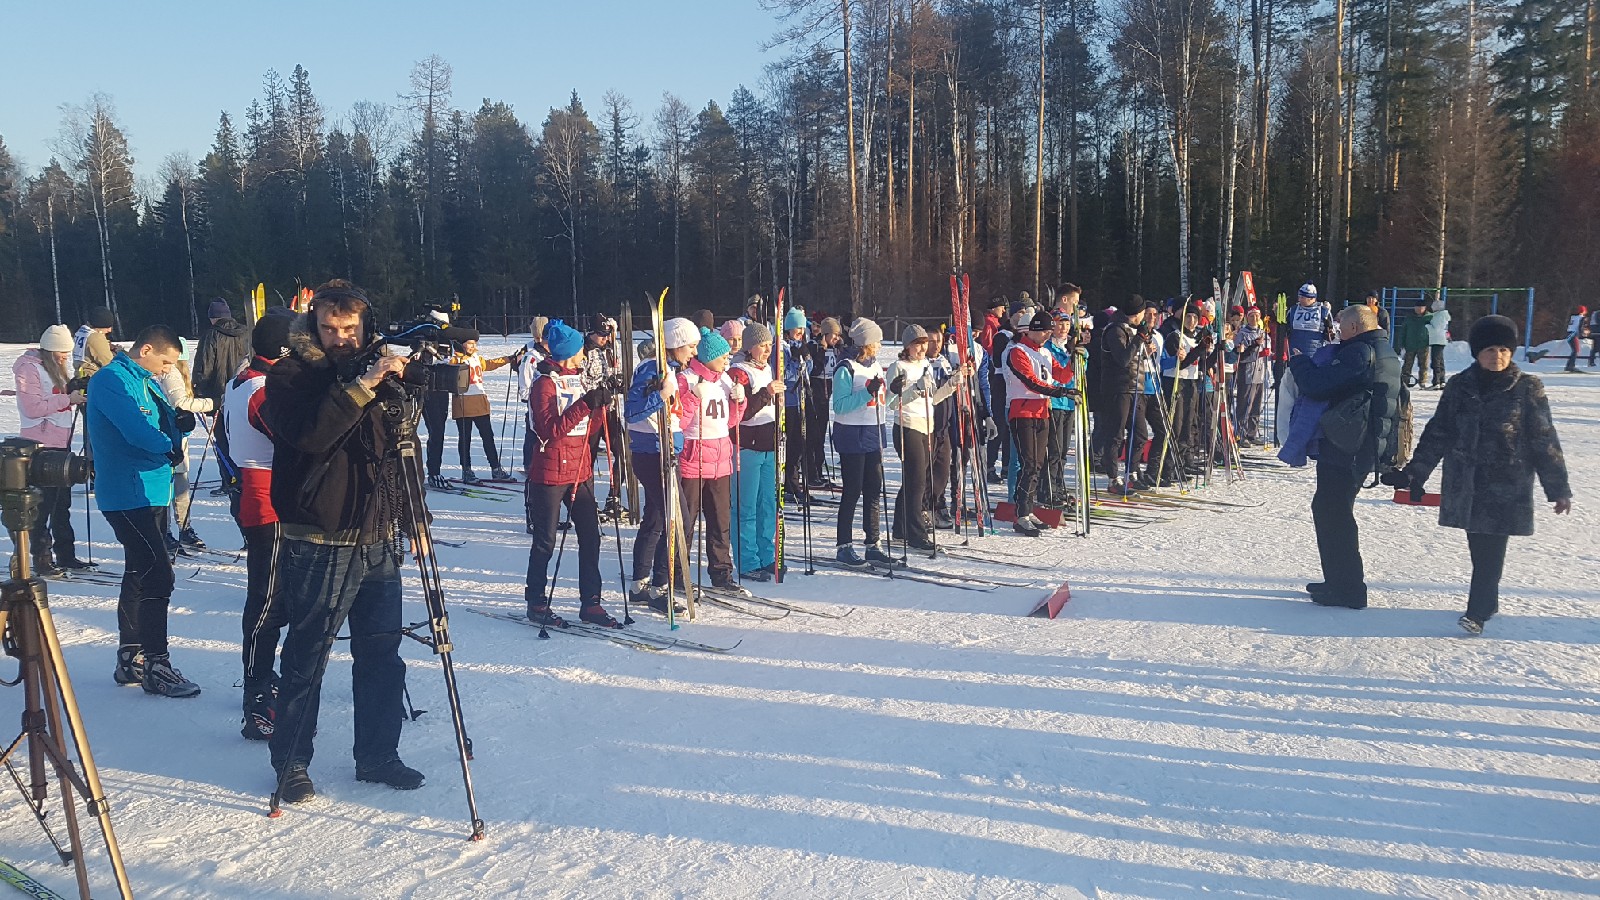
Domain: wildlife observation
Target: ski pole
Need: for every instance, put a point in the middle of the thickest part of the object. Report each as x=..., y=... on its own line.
x=561, y=549
x=616, y=524
x=194, y=482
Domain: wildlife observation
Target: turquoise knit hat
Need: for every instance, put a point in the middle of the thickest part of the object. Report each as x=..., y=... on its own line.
x=712, y=345
x=794, y=318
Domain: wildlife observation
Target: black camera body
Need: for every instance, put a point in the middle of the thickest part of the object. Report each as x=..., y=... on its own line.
x=26, y=466
x=422, y=336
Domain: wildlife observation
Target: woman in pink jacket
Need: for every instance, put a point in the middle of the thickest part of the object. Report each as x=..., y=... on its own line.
x=49, y=412
x=709, y=402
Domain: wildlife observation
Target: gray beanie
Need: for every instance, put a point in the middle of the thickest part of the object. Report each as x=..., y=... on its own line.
x=830, y=325
x=755, y=333
x=864, y=332
x=912, y=334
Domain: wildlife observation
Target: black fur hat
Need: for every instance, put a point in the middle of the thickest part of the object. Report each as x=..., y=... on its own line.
x=1492, y=331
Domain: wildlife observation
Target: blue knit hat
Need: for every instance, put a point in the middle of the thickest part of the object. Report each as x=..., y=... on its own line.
x=712, y=345
x=794, y=318
x=563, y=340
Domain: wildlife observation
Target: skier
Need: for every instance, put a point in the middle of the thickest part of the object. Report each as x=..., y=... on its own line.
x=1062, y=348
x=912, y=395
x=826, y=351
x=1493, y=432
x=858, y=418
x=1310, y=326
x=1122, y=386
x=91, y=344
x=180, y=394
x=944, y=420
x=758, y=454
x=247, y=441
x=1251, y=377
x=1029, y=387
x=796, y=365
x=49, y=409
x=137, y=440
x=999, y=447
x=223, y=350
x=650, y=396
x=710, y=403
x=1149, y=407
x=562, y=412
x=600, y=367
x=526, y=360
x=470, y=409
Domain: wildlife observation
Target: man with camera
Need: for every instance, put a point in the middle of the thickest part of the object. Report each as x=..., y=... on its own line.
x=137, y=438
x=337, y=492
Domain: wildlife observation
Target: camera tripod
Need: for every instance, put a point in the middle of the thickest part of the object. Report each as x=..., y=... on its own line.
x=403, y=408
x=49, y=703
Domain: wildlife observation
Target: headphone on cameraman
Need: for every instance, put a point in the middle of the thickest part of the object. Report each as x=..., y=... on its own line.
x=339, y=289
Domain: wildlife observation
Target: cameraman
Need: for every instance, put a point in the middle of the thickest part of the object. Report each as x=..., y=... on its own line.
x=137, y=440
x=336, y=489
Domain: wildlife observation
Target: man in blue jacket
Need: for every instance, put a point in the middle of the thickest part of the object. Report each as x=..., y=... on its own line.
x=137, y=440
x=1363, y=364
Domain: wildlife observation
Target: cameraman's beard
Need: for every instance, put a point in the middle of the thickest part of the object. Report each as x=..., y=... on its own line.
x=342, y=352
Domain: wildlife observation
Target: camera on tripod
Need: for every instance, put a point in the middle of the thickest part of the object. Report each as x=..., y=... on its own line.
x=25, y=464
x=423, y=337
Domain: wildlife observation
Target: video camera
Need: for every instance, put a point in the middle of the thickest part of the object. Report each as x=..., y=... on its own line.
x=25, y=464
x=422, y=336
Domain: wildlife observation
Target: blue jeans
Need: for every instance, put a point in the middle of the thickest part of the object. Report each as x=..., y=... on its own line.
x=755, y=542
x=321, y=586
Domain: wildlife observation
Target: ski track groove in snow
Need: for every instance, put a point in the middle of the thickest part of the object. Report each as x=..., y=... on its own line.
x=1189, y=725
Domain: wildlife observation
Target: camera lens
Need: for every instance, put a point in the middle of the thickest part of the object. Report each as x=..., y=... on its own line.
x=57, y=468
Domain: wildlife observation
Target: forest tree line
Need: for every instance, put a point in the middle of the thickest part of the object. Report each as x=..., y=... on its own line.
x=1131, y=146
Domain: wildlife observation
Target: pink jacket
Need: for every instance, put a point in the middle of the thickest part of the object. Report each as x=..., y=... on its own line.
x=709, y=457
x=46, y=414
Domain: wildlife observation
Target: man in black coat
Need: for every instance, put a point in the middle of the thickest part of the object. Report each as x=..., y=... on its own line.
x=1121, y=350
x=336, y=489
x=1364, y=364
x=223, y=349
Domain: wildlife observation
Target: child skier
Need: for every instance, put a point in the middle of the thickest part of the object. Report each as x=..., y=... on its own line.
x=1493, y=432
x=913, y=393
x=858, y=417
x=758, y=454
x=561, y=413
x=651, y=396
x=710, y=403
x=470, y=408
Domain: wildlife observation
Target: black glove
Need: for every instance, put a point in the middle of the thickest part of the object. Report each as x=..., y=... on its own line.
x=898, y=385
x=653, y=385
x=184, y=420
x=875, y=385
x=175, y=456
x=78, y=385
x=1395, y=478
x=597, y=398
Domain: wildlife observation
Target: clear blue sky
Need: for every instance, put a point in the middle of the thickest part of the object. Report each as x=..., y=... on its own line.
x=171, y=66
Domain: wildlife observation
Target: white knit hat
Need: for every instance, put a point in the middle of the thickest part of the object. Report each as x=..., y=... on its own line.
x=56, y=339
x=681, y=333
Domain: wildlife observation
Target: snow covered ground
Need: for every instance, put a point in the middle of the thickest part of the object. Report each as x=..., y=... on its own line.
x=1190, y=725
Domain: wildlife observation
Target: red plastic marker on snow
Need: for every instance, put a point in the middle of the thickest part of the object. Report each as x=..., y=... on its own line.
x=1050, y=607
x=1402, y=496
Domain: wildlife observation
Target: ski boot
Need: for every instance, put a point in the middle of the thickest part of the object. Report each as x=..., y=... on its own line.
x=468, y=478
x=1470, y=625
x=74, y=564
x=500, y=474
x=438, y=483
x=294, y=785
x=130, y=665
x=188, y=540
x=848, y=556
x=45, y=567
x=541, y=614
x=161, y=679
x=1024, y=527
x=756, y=575
x=1037, y=522
x=879, y=558
x=394, y=773
x=593, y=613
x=733, y=589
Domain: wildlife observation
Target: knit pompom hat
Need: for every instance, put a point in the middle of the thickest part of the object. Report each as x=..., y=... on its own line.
x=712, y=346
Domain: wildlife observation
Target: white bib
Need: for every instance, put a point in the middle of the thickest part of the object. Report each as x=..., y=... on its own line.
x=760, y=377
x=711, y=422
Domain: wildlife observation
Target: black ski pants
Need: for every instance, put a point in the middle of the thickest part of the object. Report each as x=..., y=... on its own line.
x=52, y=530
x=817, y=406
x=544, y=514
x=613, y=431
x=1032, y=438
x=1488, y=564
x=794, y=452
x=650, y=546
x=1116, y=418
x=485, y=426
x=1333, y=513
x=911, y=501
x=146, y=577
x=264, y=617
x=1053, y=486
x=436, y=415
x=1000, y=447
x=1155, y=424
x=711, y=497
x=939, y=465
x=863, y=482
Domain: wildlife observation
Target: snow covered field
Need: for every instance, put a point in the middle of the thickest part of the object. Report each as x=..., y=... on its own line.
x=1190, y=725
